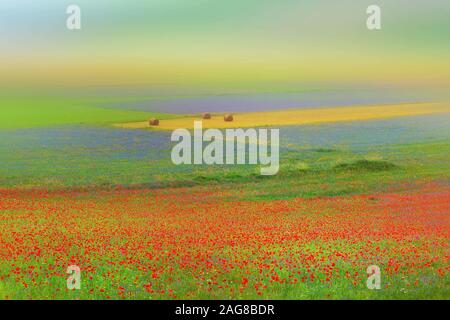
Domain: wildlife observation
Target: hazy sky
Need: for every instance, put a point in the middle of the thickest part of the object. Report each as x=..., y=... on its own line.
x=223, y=41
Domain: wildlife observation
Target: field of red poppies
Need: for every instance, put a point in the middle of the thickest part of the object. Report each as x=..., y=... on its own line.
x=203, y=243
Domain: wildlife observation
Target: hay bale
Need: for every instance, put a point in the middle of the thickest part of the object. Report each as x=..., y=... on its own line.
x=206, y=116
x=154, y=122
x=228, y=118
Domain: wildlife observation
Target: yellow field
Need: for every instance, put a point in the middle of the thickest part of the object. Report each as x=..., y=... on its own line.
x=299, y=117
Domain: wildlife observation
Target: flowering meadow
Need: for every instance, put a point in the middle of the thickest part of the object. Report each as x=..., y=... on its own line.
x=192, y=243
x=321, y=173
x=348, y=196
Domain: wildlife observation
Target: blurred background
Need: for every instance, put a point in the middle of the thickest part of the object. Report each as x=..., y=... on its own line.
x=246, y=45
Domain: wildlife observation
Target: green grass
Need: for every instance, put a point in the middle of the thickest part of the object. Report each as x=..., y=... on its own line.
x=308, y=174
x=303, y=173
x=366, y=165
x=30, y=112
